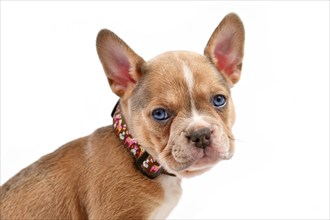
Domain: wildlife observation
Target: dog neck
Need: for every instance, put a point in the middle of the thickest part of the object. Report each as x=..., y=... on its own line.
x=143, y=160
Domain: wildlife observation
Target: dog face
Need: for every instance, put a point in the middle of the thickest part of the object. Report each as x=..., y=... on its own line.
x=178, y=105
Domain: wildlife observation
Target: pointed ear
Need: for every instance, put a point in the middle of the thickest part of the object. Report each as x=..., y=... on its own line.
x=226, y=47
x=120, y=63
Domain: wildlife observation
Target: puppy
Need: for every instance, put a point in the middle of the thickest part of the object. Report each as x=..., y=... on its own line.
x=173, y=120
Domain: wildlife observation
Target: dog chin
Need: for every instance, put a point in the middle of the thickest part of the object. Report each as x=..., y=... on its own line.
x=196, y=167
x=200, y=166
x=192, y=172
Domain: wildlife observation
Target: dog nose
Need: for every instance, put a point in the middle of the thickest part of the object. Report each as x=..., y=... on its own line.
x=201, y=138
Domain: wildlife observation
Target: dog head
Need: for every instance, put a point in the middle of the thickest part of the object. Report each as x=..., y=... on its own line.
x=178, y=105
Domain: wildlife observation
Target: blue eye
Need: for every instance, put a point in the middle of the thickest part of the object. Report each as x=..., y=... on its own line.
x=219, y=101
x=160, y=114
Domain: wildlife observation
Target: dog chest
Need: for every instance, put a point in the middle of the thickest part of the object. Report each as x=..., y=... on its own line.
x=172, y=193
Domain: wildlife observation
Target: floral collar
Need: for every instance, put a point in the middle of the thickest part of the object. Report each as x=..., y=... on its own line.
x=143, y=160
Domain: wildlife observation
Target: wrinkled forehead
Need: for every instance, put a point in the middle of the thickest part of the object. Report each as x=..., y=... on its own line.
x=173, y=78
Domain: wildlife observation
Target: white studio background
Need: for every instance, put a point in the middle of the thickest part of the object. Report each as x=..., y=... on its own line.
x=53, y=90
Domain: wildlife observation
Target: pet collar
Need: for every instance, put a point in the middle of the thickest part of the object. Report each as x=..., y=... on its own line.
x=143, y=160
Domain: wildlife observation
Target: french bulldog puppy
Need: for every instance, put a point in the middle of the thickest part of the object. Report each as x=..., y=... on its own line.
x=173, y=120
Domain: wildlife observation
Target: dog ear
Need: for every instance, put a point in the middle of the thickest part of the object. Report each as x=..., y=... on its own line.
x=120, y=63
x=226, y=47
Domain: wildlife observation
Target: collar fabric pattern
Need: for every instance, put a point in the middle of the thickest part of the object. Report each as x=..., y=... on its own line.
x=143, y=160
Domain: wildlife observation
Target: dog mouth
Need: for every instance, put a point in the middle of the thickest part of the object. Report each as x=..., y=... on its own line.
x=208, y=160
x=186, y=162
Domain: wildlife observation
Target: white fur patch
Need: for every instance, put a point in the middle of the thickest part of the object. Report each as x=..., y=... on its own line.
x=172, y=193
x=189, y=77
x=197, y=118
